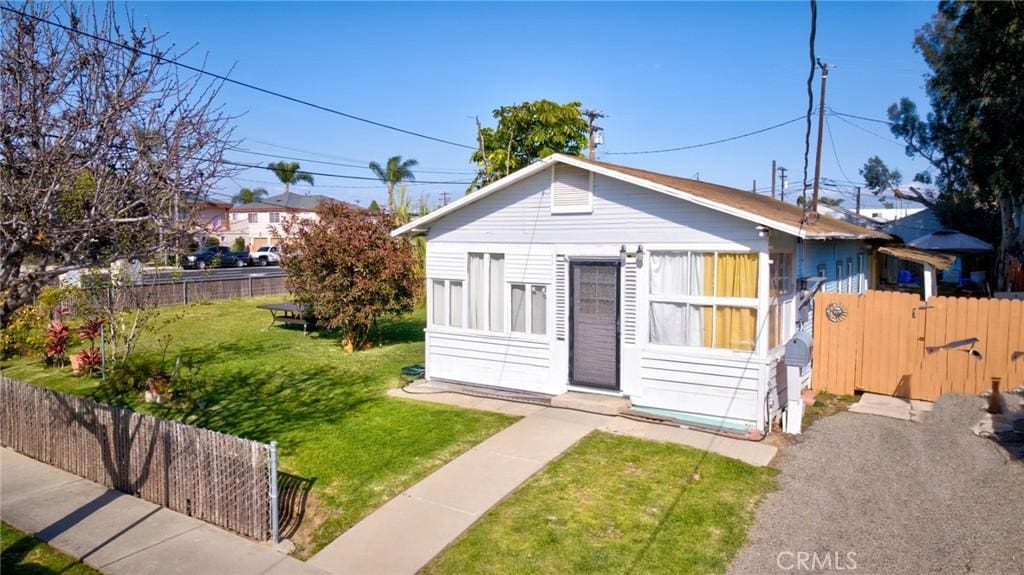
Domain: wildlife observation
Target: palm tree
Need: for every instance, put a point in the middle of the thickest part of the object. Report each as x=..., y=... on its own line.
x=248, y=196
x=289, y=173
x=395, y=172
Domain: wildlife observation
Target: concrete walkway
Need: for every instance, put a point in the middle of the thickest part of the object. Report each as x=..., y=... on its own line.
x=119, y=534
x=408, y=531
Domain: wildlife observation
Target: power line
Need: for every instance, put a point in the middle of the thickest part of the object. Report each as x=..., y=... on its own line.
x=340, y=164
x=835, y=152
x=865, y=118
x=233, y=81
x=863, y=129
x=328, y=175
x=711, y=143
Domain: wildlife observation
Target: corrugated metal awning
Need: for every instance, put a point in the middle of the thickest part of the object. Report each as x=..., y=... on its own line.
x=937, y=260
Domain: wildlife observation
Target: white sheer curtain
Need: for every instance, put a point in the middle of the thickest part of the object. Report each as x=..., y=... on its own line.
x=455, y=305
x=497, y=291
x=669, y=274
x=695, y=325
x=697, y=274
x=519, y=308
x=477, y=292
x=437, y=297
x=668, y=323
x=539, y=310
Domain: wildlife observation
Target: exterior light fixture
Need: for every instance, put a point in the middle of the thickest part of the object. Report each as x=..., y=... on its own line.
x=640, y=256
x=763, y=232
x=622, y=254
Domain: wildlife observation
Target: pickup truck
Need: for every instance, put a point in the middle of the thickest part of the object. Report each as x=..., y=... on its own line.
x=267, y=256
x=215, y=256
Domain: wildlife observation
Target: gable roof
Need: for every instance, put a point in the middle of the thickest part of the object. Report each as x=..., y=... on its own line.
x=759, y=209
x=288, y=201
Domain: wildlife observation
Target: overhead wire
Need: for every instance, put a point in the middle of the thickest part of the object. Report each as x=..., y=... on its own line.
x=230, y=80
x=711, y=143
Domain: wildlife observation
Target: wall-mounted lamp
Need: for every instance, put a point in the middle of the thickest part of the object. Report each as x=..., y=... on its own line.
x=622, y=254
x=640, y=256
x=763, y=232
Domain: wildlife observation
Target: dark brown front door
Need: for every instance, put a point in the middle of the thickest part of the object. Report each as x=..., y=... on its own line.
x=594, y=336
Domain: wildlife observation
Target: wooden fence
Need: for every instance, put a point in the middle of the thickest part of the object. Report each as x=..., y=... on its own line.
x=896, y=344
x=196, y=290
x=221, y=479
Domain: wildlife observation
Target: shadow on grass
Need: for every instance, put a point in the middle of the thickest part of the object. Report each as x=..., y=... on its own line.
x=406, y=329
x=293, y=495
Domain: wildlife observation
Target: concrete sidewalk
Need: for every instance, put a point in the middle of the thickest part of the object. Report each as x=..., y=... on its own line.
x=120, y=534
x=408, y=531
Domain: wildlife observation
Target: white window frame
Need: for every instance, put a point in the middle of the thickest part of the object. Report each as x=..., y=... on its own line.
x=781, y=300
x=528, y=298
x=708, y=301
x=447, y=319
x=253, y=218
x=275, y=217
x=506, y=296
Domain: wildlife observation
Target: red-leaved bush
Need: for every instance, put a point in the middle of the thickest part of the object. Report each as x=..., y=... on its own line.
x=56, y=341
x=349, y=269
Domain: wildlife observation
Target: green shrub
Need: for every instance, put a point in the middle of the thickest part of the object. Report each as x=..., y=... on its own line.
x=212, y=241
x=238, y=245
x=25, y=334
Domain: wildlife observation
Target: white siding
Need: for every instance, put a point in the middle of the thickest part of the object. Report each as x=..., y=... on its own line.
x=622, y=213
x=449, y=265
x=489, y=359
x=701, y=385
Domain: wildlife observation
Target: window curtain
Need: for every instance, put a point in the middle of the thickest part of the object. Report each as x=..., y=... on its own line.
x=737, y=275
x=455, y=305
x=497, y=293
x=539, y=310
x=437, y=303
x=477, y=293
x=669, y=274
x=735, y=328
x=518, y=308
x=668, y=325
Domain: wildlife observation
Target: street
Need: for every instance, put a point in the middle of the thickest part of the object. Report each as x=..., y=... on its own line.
x=165, y=275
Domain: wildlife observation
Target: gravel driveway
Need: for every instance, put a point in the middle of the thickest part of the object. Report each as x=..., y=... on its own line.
x=913, y=498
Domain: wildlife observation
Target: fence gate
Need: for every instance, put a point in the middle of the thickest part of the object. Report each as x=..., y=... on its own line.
x=895, y=344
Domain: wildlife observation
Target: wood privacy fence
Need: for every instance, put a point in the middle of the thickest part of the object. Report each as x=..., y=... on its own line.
x=218, y=478
x=197, y=290
x=895, y=344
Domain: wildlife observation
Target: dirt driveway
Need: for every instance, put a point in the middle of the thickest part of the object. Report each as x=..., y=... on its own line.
x=866, y=494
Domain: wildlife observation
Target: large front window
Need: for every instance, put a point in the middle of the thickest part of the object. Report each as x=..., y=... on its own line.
x=486, y=292
x=703, y=299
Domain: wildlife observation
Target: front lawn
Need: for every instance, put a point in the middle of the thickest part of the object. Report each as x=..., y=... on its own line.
x=615, y=504
x=325, y=407
x=22, y=554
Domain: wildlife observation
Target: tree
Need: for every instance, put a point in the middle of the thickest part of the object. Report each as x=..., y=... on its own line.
x=974, y=136
x=290, y=173
x=238, y=245
x=211, y=241
x=880, y=179
x=100, y=145
x=349, y=270
x=248, y=196
x=823, y=200
x=527, y=132
x=393, y=173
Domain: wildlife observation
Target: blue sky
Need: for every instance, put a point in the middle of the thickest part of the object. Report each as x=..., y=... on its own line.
x=666, y=74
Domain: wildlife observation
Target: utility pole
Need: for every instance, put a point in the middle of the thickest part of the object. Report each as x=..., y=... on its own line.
x=444, y=198
x=821, y=127
x=773, y=179
x=592, y=130
x=858, y=200
x=782, y=182
x=753, y=187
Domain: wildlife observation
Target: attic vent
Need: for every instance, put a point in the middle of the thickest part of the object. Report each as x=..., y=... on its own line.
x=570, y=190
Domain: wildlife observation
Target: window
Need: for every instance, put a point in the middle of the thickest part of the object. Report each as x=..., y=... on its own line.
x=275, y=217
x=782, y=287
x=486, y=309
x=529, y=308
x=849, y=276
x=703, y=299
x=236, y=216
x=446, y=302
x=253, y=217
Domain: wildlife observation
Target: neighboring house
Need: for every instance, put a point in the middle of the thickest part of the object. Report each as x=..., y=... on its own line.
x=210, y=219
x=259, y=223
x=572, y=274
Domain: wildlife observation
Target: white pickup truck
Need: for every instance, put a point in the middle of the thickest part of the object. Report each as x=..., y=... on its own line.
x=266, y=256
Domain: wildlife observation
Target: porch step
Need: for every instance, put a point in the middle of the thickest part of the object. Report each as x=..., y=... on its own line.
x=592, y=402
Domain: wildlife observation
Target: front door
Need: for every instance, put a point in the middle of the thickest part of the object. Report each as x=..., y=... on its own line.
x=594, y=335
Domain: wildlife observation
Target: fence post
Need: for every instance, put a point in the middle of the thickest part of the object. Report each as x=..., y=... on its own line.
x=250, y=286
x=184, y=291
x=274, y=511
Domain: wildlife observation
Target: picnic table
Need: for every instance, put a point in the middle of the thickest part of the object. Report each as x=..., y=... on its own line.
x=289, y=314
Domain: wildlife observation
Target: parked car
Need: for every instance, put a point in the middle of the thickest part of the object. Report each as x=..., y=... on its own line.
x=215, y=256
x=267, y=256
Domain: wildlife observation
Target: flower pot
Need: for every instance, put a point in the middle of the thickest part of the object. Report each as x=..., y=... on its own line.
x=76, y=363
x=808, y=396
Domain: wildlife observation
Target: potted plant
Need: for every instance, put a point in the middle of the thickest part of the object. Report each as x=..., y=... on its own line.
x=87, y=360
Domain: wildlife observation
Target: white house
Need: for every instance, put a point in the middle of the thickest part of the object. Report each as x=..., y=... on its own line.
x=259, y=223
x=586, y=276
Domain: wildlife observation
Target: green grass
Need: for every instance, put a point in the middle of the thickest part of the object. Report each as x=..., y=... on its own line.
x=22, y=554
x=615, y=504
x=325, y=407
x=826, y=404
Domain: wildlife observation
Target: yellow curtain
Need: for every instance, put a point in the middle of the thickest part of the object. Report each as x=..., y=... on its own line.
x=735, y=327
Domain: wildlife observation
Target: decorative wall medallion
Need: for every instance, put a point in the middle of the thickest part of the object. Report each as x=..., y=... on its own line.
x=835, y=312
